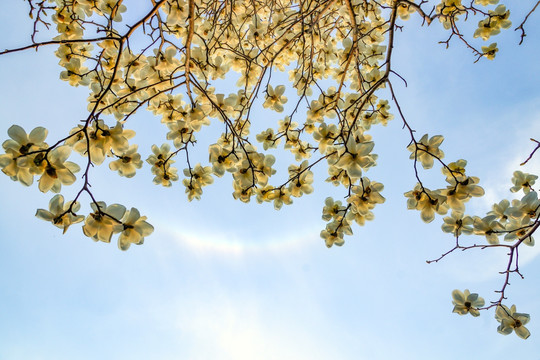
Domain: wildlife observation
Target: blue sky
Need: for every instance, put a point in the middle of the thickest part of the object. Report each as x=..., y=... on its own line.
x=220, y=279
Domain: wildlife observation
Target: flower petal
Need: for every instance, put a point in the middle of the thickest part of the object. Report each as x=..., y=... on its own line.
x=37, y=135
x=18, y=134
x=522, y=332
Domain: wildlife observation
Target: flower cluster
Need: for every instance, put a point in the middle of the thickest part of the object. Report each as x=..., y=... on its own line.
x=102, y=223
x=28, y=155
x=495, y=21
x=181, y=60
x=510, y=321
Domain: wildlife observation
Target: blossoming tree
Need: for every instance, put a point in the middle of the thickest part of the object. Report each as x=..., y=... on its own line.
x=338, y=57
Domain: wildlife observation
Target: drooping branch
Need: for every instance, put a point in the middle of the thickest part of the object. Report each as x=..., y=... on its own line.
x=521, y=26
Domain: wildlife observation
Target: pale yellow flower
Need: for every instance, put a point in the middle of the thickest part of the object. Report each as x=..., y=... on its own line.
x=268, y=139
x=512, y=321
x=22, y=145
x=465, y=302
x=59, y=214
x=455, y=171
x=133, y=229
x=161, y=157
x=302, y=184
x=486, y=2
x=356, y=156
x=332, y=210
x=334, y=231
x=426, y=150
x=127, y=162
x=222, y=159
x=282, y=196
x=522, y=181
x=56, y=170
x=275, y=98
x=99, y=225
x=493, y=23
x=75, y=73
x=489, y=227
x=457, y=224
x=490, y=51
x=365, y=196
x=427, y=202
x=165, y=175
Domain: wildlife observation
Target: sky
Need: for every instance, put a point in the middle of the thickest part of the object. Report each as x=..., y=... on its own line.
x=220, y=279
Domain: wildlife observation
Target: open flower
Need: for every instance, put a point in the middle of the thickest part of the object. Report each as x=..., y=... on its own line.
x=490, y=51
x=457, y=224
x=275, y=98
x=332, y=209
x=489, y=227
x=522, y=181
x=165, y=175
x=365, y=196
x=512, y=321
x=268, y=139
x=18, y=147
x=426, y=150
x=54, y=168
x=99, y=225
x=333, y=234
x=282, y=196
x=75, y=73
x=133, y=229
x=23, y=143
x=465, y=302
x=355, y=157
x=159, y=156
x=127, y=162
x=427, y=202
x=60, y=214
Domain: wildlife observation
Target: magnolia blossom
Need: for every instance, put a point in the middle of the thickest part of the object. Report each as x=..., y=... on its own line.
x=465, y=302
x=489, y=227
x=457, y=224
x=133, y=229
x=426, y=150
x=100, y=224
x=490, y=51
x=56, y=170
x=356, y=156
x=20, y=146
x=493, y=23
x=268, y=139
x=427, y=202
x=61, y=215
x=522, y=181
x=275, y=98
x=127, y=162
x=512, y=321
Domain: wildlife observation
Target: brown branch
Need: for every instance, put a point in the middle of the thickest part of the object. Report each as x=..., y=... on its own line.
x=191, y=29
x=532, y=153
x=57, y=42
x=520, y=27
